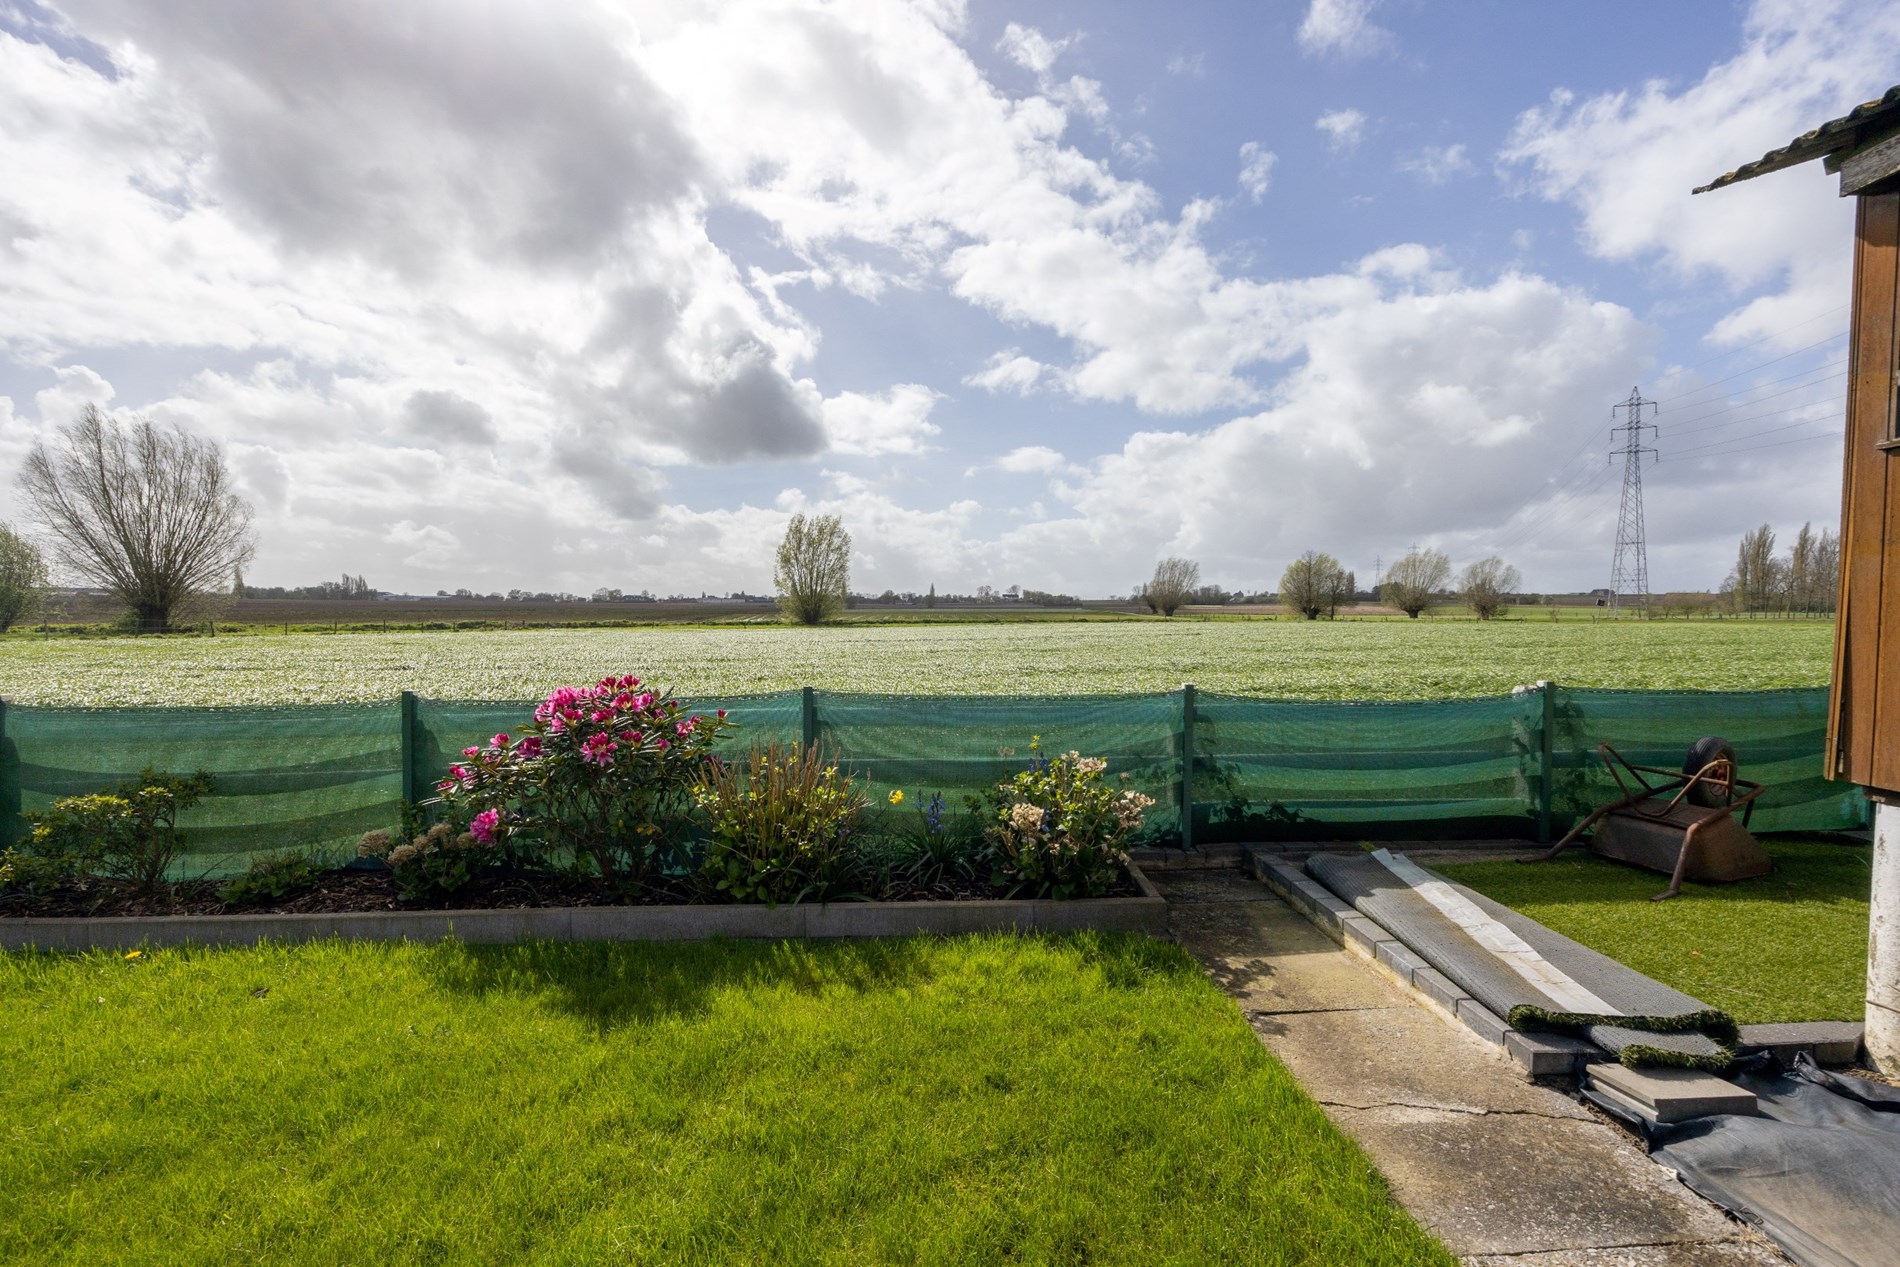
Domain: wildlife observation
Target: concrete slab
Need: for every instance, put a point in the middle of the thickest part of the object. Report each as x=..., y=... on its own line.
x=1551, y=1055
x=1674, y=1095
x=1499, y=1168
x=1826, y=1042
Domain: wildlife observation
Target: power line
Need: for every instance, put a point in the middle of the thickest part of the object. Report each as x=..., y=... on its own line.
x=1743, y=347
x=1696, y=391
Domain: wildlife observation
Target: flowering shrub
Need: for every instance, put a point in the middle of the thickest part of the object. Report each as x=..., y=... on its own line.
x=781, y=829
x=432, y=863
x=942, y=848
x=602, y=777
x=1059, y=831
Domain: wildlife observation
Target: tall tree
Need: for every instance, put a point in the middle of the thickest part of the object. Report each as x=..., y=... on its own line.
x=1756, y=577
x=1314, y=585
x=1411, y=582
x=1172, y=585
x=1486, y=584
x=813, y=575
x=22, y=578
x=146, y=513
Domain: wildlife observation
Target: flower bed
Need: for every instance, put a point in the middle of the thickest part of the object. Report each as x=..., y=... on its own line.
x=616, y=795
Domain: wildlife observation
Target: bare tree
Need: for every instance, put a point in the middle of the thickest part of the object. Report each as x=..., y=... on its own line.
x=144, y=512
x=1757, y=571
x=1172, y=585
x=1314, y=585
x=1486, y=584
x=1411, y=582
x=814, y=568
x=22, y=578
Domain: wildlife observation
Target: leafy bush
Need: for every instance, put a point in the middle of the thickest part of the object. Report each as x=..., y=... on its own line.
x=941, y=848
x=129, y=834
x=434, y=862
x=271, y=878
x=1059, y=831
x=603, y=777
x=781, y=828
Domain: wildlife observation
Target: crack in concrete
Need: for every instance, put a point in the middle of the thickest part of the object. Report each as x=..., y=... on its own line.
x=1477, y=1260
x=1463, y=1109
x=1314, y=1011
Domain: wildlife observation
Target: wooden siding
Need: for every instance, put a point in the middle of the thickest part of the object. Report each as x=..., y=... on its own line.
x=1864, y=746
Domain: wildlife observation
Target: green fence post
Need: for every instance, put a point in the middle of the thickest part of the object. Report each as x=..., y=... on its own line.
x=11, y=824
x=808, y=719
x=1547, y=764
x=409, y=745
x=1187, y=765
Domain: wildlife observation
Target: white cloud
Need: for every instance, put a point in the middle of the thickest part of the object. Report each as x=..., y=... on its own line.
x=1030, y=48
x=1193, y=65
x=1031, y=459
x=1437, y=164
x=75, y=387
x=1256, y=169
x=1010, y=371
x=1343, y=129
x=893, y=421
x=1343, y=28
x=1627, y=160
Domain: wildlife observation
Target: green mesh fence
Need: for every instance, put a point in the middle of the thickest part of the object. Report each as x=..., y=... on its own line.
x=1262, y=769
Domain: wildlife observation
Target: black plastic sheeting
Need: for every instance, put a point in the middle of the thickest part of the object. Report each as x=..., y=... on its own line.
x=1383, y=897
x=1818, y=1172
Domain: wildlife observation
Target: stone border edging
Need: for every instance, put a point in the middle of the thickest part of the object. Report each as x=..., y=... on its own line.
x=1147, y=913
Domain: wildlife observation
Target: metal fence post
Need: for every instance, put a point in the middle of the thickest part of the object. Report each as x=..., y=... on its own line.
x=11, y=824
x=1187, y=765
x=1547, y=744
x=407, y=712
x=808, y=719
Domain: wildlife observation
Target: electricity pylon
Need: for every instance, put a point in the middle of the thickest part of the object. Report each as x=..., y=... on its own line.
x=1629, y=573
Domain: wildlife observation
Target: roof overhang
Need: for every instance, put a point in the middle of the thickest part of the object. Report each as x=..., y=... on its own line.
x=1863, y=133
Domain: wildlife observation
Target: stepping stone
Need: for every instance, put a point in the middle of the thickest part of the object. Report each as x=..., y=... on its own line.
x=1670, y=1095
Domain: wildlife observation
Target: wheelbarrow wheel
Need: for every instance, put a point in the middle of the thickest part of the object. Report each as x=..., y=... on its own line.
x=1719, y=788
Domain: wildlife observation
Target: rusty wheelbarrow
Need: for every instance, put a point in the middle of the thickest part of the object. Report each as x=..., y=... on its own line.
x=1682, y=824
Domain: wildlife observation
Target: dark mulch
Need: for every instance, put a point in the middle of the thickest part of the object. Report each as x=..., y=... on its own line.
x=351, y=890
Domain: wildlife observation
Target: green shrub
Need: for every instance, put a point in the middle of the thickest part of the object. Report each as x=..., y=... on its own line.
x=1059, y=831
x=433, y=863
x=271, y=878
x=130, y=834
x=781, y=828
x=941, y=848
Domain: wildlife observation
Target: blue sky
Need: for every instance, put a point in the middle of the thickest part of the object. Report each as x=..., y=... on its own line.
x=1029, y=294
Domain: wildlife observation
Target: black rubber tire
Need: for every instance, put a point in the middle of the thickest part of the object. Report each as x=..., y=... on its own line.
x=1701, y=752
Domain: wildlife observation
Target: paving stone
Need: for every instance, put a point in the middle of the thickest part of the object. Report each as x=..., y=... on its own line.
x=1365, y=934
x=1828, y=1042
x=1673, y=1095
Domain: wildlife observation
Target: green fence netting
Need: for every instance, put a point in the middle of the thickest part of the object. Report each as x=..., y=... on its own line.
x=1524, y=764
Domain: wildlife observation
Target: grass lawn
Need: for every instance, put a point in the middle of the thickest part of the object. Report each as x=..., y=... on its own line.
x=1791, y=946
x=983, y=1100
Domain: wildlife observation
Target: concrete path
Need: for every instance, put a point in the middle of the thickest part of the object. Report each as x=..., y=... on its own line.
x=1502, y=1171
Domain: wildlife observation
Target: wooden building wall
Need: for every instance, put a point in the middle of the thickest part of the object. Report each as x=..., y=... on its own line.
x=1864, y=746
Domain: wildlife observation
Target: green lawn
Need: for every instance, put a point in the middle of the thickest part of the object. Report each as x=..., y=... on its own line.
x=1087, y=1099
x=1791, y=946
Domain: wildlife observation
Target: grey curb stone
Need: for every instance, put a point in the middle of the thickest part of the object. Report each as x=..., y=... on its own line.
x=1145, y=914
x=1550, y=1055
x=1366, y=935
x=1482, y=1021
x=1400, y=959
x=1438, y=987
x=1828, y=1042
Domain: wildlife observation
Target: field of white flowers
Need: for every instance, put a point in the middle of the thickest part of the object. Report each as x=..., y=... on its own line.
x=1347, y=660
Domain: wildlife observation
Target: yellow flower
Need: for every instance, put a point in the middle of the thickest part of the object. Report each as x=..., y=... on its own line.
x=897, y=797
x=1035, y=742
x=135, y=954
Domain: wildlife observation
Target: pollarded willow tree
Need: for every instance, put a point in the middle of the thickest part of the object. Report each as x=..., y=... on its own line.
x=146, y=513
x=1315, y=585
x=1171, y=587
x=1486, y=584
x=813, y=575
x=1410, y=584
x=23, y=578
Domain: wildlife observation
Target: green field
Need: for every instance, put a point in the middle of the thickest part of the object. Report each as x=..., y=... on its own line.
x=1293, y=659
x=1088, y=1099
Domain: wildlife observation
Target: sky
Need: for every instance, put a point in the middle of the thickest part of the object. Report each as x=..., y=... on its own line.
x=516, y=295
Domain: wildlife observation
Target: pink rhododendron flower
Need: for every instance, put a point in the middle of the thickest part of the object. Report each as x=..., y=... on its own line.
x=483, y=825
x=459, y=773
x=599, y=750
x=661, y=743
x=499, y=741
x=722, y=714
x=529, y=747
x=601, y=716
x=471, y=752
